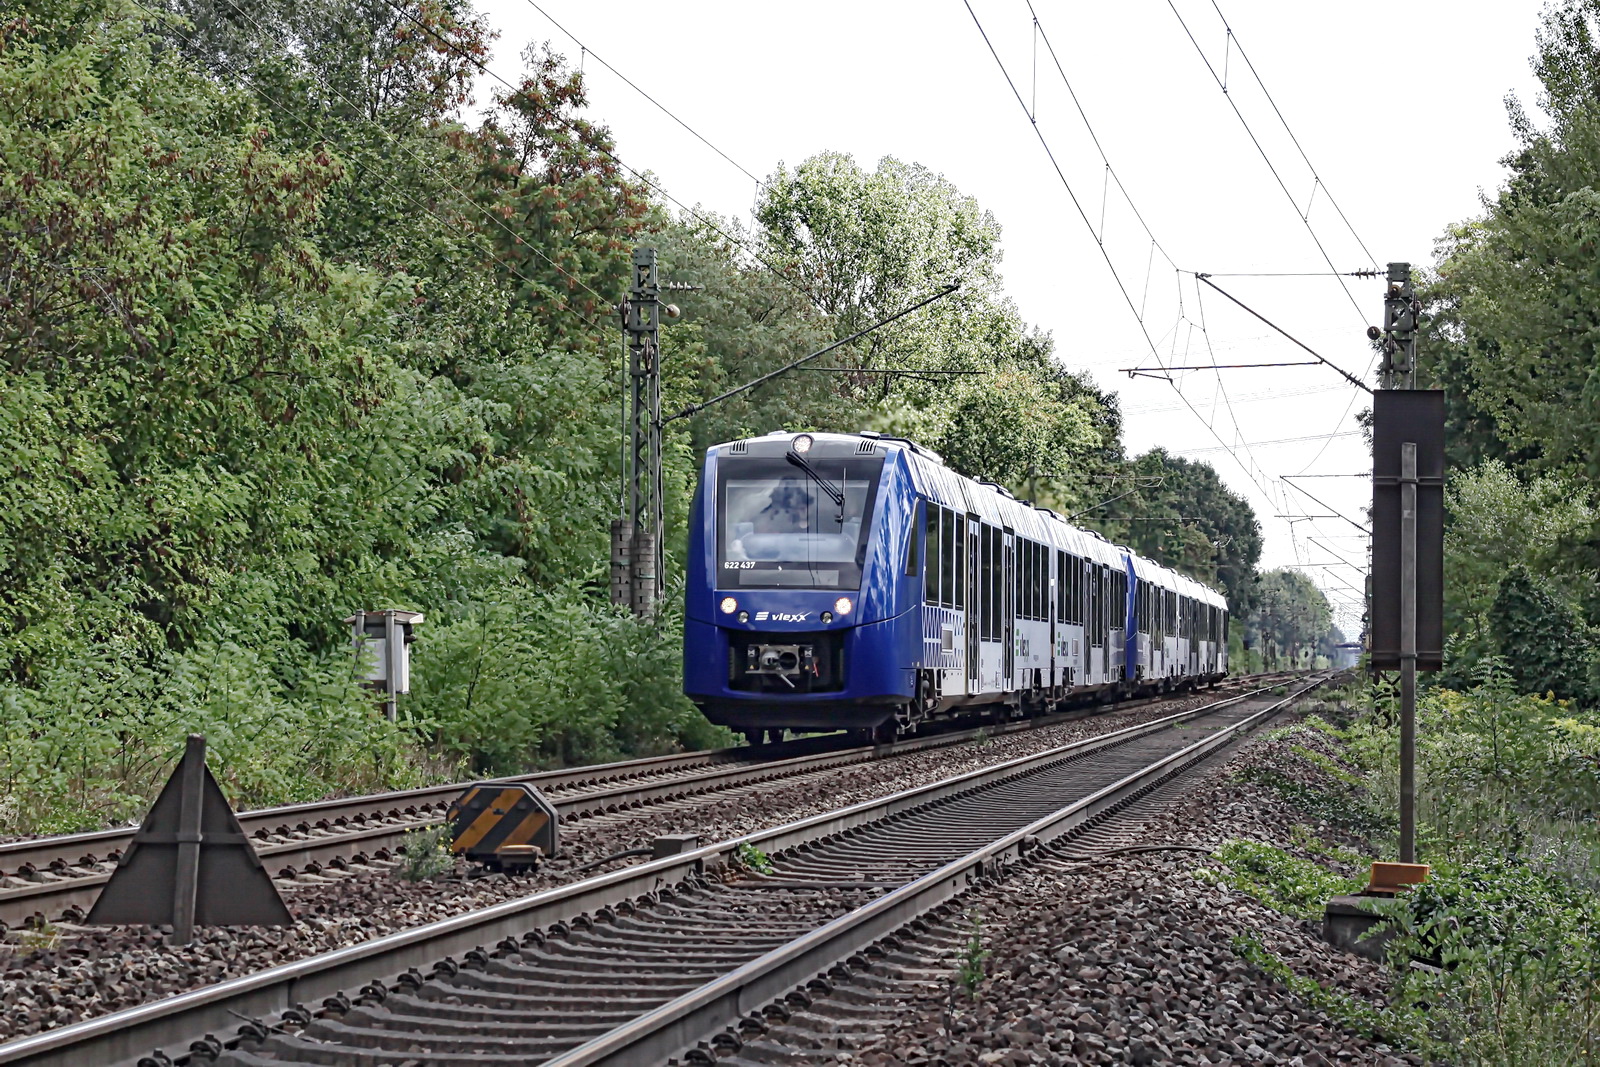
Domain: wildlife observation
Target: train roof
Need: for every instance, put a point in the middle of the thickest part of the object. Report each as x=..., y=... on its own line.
x=997, y=504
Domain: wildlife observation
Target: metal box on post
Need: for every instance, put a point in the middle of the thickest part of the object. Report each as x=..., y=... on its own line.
x=386, y=636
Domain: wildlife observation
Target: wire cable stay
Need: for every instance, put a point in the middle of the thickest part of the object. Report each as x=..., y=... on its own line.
x=1352, y=379
x=590, y=53
x=1233, y=40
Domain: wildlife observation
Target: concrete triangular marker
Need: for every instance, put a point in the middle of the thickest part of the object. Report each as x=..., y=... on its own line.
x=190, y=863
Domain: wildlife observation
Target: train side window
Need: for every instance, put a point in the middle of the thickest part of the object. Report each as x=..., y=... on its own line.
x=1000, y=606
x=1035, y=566
x=1075, y=603
x=959, y=568
x=934, y=553
x=1019, y=575
x=1035, y=569
x=1063, y=585
x=994, y=588
x=913, y=534
x=980, y=588
x=1025, y=606
x=952, y=577
x=1044, y=581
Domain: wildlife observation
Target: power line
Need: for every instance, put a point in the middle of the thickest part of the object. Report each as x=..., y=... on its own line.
x=663, y=108
x=1333, y=551
x=1274, y=441
x=1352, y=379
x=1320, y=184
x=1099, y=243
x=1110, y=171
x=1317, y=178
x=1364, y=529
x=1131, y=371
x=1034, y=122
x=1295, y=274
x=638, y=176
x=1304, y=217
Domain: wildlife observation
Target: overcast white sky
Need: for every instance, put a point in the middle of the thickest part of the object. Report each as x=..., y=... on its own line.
x=1398, y=107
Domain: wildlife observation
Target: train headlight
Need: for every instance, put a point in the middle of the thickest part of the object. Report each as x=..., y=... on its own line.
x=802, y=444
x=744, y=616
x=729, y=605
x=842, y=605
x=827, y=617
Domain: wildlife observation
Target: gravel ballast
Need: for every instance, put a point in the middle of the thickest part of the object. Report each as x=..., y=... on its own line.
x=1117, y=958
x=65, y=973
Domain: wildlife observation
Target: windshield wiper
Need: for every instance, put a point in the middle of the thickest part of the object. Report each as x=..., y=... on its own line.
x=833, y=491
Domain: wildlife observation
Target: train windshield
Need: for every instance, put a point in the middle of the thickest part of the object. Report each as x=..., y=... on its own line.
x=795, y=525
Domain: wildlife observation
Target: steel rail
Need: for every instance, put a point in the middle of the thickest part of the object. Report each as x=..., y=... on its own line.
x=681, y=1023
x=325, y=833
x=126, y=1035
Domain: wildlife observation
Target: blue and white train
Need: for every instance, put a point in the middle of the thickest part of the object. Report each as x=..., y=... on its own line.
x=853, y=581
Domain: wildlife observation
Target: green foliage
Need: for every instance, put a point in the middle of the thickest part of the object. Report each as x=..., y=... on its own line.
x=1521, y=964
x=1292, y=619
x=752, y=858
x=1517, y=313
x=972, y=967
x=1281, y=881
x=1204, y=529
x=1477, y=753
x=1507, y=791
x=1542, y=640
x=863, y=245
x=1500, y=523
x=279, y=346
x=425, y=854
x=290, y=326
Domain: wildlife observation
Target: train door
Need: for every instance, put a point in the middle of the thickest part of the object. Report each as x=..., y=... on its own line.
x=1092, y=640
x=1053, y=607
x=975, y=602
x=1008, y=613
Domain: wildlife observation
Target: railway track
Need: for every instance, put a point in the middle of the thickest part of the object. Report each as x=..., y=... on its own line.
x=58, y=878
x=641, y=964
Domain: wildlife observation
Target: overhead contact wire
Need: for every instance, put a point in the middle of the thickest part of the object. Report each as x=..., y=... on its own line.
x=1045, y=144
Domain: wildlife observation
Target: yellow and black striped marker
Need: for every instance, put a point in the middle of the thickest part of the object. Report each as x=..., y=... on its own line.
x=498, y=822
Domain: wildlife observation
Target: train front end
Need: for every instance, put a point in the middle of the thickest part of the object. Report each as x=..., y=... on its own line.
x=791, y=618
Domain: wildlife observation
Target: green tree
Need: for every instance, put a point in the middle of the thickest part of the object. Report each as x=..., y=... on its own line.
x=1292, y=618
x=991, y=398
x=1543, y=642
x=1498, y=522
x=1180, y=513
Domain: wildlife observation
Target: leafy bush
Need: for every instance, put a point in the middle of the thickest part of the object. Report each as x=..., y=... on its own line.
x=425, y=854
x=1520, y=981
x=1478, y=753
